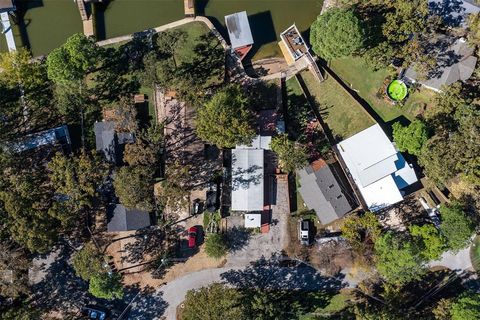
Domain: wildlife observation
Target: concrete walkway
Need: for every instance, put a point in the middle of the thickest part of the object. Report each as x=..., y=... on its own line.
x=459, y=261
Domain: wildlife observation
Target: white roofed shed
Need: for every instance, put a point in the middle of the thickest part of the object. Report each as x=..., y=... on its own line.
x=239, y=29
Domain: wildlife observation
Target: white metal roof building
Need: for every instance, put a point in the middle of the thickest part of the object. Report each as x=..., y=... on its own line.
x=239, y=29
x=247, y=179
x=377, y=168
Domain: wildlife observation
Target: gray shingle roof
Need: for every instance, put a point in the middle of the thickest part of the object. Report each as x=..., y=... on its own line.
x=109, y=142
x=123, y=219
x=454, y=63
x=322, y=193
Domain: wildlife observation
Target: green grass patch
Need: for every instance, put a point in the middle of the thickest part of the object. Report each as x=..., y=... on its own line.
x=475, y=253
x=337, y=304
x=355, y=72
x=343, y=115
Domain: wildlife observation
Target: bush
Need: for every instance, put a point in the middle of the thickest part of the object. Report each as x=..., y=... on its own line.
x=215, y=246
x=106, y=286
x=456, y=226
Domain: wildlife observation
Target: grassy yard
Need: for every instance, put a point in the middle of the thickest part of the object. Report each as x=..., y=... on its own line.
x=355, y=72
x=475, y=253
x=343, y=115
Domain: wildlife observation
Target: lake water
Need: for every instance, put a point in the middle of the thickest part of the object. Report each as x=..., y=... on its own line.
x=47, y=23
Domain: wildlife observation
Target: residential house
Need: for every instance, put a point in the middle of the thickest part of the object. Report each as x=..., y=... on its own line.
x=110, y=142
x=455, y=61
x=58, y=137
x=379, y=171
x=239, y=33
x=248, y=180
x=324, y=192
x=454, y=12
x=120, y=219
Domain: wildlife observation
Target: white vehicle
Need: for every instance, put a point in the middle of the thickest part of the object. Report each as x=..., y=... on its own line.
x=304, y=232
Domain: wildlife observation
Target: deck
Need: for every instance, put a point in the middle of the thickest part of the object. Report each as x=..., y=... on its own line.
x=8, y=32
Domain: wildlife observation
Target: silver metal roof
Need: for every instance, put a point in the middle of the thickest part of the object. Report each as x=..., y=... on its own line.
x=239, y=29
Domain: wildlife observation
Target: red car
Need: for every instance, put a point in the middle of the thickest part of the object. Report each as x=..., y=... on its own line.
x=192, y=237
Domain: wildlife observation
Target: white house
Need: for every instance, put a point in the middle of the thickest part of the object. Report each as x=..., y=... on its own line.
x=248, y=188
x=378, y=169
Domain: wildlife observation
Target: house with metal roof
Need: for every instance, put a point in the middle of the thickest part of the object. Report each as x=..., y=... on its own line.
x=239, y=32
x=379, y=171
x=324, y=193
x=120, y=219
x=456, y=61
x=110, y=142
x=58, y=136
x=248, y=181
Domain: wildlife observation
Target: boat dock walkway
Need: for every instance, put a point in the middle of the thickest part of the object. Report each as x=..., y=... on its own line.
x=7, y=31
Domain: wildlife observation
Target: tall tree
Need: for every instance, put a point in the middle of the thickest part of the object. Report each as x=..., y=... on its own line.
x=456, y=226
x=362, y=232
x=73, y=60
x=215, y=302
x=431, y=242
x=337, y=33
x=77, y=177
x=410, y=138
x=291, y=155
x=175, y=187
x=398, y=260
x=134, y=187
x=88, y=262
x=169, y=42
x=225, y=119
x=466, y=306
x=473, y=30
x=15, y=266
x=106, y=286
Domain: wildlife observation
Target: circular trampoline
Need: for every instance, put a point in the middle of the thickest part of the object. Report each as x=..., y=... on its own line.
x=397, y=90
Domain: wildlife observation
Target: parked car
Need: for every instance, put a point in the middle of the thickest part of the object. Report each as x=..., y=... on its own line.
x=304, y=231
x=94, y=312
x=192, y=237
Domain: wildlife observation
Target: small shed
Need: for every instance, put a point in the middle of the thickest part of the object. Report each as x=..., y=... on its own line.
x=239, y=33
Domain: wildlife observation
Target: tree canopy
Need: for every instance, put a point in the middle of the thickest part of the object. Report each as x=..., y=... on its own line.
x=337, y=33
x=73, y=59
x=410, y=138
x=467, y=306
x=456, y=226
x=215, y=302
x=398, y=260
x=225, y=120
x=432, y=244
x=88, y=262
x=134, y=187
x=291, y=155
x=106, y=286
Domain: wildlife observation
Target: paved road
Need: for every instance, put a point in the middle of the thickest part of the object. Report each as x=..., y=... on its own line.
x=459, y=261
x=265, y=273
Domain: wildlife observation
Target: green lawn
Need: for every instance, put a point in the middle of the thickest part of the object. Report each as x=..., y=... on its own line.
x=343, y=115
x=360, y=77
x=475, y=253
x=337, y=303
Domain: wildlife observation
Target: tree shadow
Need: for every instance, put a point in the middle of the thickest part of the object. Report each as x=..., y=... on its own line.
x=238, y=238
x=148, y=305
x=272, y=274
x=452, y=11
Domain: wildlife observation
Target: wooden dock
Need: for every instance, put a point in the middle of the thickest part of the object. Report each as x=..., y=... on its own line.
x=189, y=8
x=87, y=18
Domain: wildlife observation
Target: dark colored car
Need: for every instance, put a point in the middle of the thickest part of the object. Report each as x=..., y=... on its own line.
x=93, y=312
x=192, y=237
